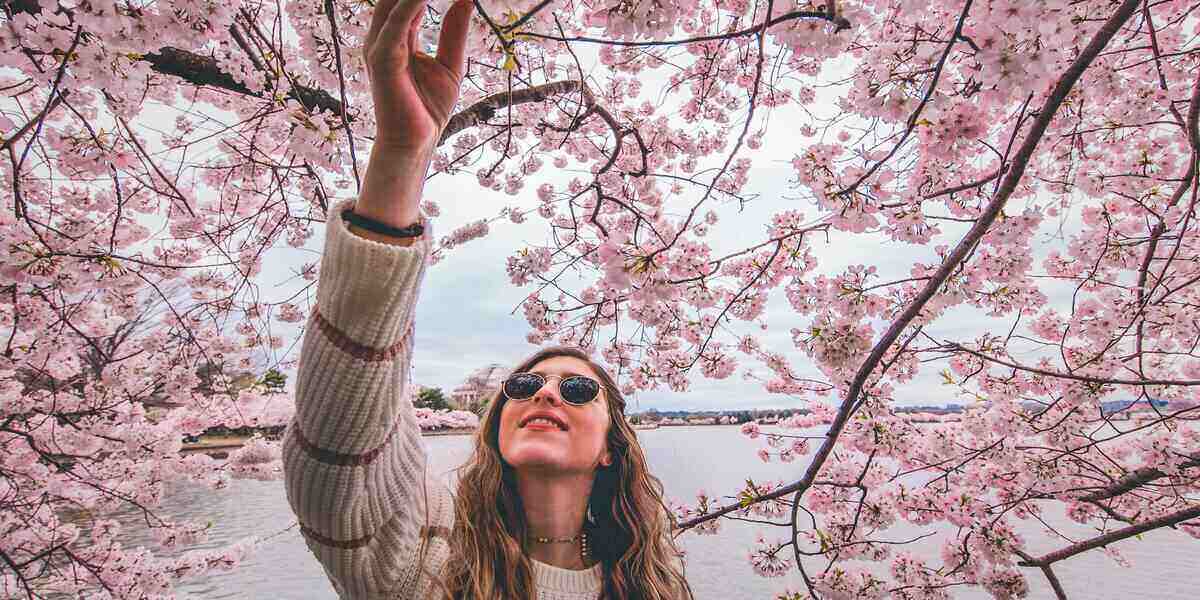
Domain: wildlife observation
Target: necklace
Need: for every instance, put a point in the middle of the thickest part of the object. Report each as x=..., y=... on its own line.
x=582, y=536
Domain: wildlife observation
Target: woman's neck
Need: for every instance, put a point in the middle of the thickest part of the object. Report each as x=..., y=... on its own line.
x=555, y=507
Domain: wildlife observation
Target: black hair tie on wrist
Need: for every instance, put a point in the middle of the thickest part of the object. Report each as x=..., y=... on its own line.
x=414, y=230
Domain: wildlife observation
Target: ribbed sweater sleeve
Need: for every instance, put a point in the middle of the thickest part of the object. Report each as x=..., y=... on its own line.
x=354, y=464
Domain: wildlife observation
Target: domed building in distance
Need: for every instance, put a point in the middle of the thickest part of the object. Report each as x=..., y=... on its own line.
x=474, y=393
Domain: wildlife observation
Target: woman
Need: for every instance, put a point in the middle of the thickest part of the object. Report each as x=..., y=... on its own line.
x=555, y=502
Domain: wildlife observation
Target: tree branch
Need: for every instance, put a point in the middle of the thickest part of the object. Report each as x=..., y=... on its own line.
x=1174, y=518
x=487, y=108
x=1084, y=378
x=1048, y=571
x=1133, y=480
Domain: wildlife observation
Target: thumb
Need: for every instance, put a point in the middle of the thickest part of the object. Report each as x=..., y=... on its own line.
x=452, y=42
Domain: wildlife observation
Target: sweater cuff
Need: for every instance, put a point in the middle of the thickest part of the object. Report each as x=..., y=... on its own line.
x=368, y=289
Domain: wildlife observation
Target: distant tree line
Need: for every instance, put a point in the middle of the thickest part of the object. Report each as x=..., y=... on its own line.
x=742, y=416
x=431, y=398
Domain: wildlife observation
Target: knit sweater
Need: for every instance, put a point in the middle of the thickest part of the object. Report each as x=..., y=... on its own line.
x=354, y=461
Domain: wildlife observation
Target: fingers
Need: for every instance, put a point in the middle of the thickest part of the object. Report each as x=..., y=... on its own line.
x=379, y=16
x=394, y=37
x=452, y=42
x=414, y=33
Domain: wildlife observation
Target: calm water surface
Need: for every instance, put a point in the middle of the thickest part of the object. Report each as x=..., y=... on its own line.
x=1166, y=564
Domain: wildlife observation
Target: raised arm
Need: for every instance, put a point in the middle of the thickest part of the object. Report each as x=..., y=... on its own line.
x=354, y=464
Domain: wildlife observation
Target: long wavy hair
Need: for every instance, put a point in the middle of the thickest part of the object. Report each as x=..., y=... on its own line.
x=628, y=524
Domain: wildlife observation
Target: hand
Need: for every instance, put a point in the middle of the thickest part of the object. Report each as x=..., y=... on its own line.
x=413, y=92
x=413, y=95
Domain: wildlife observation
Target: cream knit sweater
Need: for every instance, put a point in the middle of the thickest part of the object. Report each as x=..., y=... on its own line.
x=354, y=463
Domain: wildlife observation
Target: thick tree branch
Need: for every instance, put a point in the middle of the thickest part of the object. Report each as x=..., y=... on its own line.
x=487, y=108
x=1174, y=518
x=204, y=70
x=1134, y=480
x=1048, y=571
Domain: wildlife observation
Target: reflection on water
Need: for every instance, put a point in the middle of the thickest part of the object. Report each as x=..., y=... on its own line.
x=718, y=459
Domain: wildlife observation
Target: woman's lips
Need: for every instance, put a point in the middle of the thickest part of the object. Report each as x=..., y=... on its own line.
x=542, y=427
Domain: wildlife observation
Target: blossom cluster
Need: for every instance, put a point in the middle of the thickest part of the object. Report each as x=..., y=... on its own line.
x=433, y=420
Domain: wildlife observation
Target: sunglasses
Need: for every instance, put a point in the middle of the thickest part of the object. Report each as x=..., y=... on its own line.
x=576, y=389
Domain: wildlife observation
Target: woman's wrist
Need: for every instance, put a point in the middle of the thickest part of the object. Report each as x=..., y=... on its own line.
x=392, y=186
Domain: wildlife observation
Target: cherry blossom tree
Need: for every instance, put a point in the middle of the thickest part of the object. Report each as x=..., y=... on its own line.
x=1040, y=157
x=435, y=420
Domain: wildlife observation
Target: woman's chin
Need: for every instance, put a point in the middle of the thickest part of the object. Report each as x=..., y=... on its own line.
x=537, y=456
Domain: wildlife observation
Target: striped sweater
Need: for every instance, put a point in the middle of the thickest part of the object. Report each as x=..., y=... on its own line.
x=353, y=457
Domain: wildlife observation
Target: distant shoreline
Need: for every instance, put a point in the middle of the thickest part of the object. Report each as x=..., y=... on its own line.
x=221, y=446
x=437, y=432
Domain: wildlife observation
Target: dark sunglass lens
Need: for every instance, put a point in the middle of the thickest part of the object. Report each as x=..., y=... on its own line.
x=522, y=386
x=579, y=390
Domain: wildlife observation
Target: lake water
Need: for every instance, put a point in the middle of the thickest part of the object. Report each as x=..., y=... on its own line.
x=1165, y=564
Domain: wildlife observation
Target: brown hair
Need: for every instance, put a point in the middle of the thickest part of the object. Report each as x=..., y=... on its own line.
x=628, y=529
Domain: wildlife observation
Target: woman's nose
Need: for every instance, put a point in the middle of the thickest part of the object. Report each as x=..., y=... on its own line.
x=548, y=395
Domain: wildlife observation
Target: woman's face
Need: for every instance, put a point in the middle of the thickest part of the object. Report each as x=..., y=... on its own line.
x=581, y=447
